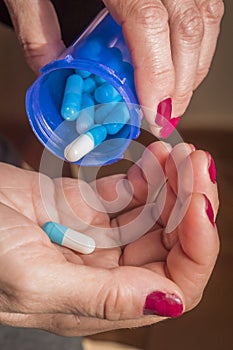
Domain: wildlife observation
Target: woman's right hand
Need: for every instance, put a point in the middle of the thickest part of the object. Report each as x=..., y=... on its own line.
x=172, y=44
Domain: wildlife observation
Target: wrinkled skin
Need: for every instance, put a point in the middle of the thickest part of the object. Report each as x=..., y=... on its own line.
x=53, y=288
x=171, y=42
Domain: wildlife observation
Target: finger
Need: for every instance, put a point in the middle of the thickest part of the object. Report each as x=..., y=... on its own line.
x=186, y=27
x=78, y=205
x=146, y=31
x=212, y=13
x=174, y=193
x=197, y=174
x=191, y=260
x=132, y=225
x=117, y=294
x=114, y=192
x=152, y=164
x=146, y=250
x=179, y=154
x=38, y=30
x=113, y=296
x=141, y=185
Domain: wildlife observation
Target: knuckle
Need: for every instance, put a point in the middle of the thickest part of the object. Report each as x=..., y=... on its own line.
x=113, y=300
x=113, y=310
x=212, y=10
x=66, y=326
x=190, y=26
x=33, y=50
x=182, y=100
x=164, y=77
x=149, y=14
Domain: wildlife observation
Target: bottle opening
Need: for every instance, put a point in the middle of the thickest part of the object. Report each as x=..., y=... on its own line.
x=66, y=102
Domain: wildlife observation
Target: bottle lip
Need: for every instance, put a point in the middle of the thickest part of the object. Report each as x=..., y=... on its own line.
x=46, y=134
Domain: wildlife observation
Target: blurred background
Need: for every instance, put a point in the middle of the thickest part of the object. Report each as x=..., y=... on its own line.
x=208, y=124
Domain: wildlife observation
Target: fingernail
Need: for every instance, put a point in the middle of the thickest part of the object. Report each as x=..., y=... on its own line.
x=212, y=168
x=193, y=147
x=163, y=304
x=164, y=112
x=209, y=210
x=169, y=127
x=167, y=145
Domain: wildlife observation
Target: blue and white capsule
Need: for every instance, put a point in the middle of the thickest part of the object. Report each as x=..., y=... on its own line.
x=72, y=97
x=85, y=118
x=69, y=238
x=85, y=143
x=103, y=110
x=117, y=119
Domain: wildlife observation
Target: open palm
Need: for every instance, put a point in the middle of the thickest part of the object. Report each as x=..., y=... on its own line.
x=157, y=244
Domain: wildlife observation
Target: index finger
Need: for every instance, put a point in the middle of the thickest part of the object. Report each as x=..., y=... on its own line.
x=120, y=193
x=146, y=31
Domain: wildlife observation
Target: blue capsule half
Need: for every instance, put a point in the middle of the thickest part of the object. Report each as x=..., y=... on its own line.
x=106, y=93
x=99, y=80
x=83, y=73
x=89, y=85
x=116, y=119
x=102, y=111
x=98, y=134
x=72, y=97
x=92, y=48
x=85, y=118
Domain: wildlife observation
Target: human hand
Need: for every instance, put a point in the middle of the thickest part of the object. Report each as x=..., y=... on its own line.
x=172, y=44
x=161, y=274
x=38, y=30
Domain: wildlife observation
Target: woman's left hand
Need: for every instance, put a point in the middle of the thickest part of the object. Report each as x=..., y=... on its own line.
x=170, y=244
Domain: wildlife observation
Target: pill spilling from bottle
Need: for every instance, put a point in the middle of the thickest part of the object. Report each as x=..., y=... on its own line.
x=97, y=109
x=69, y=238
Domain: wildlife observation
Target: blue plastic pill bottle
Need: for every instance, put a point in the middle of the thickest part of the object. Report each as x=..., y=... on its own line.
x=102, y=51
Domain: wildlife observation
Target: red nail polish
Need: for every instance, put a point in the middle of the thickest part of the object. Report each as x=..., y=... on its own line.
x=169, y=127
x=163, y=304
x=164, y=112
x=212, y=168
x=209, y=210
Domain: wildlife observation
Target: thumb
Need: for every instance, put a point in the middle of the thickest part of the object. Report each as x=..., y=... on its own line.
x=146, y=31
x=117, y=294
x=38, y=30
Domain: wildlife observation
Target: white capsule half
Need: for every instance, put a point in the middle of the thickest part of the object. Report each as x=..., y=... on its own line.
x=78, y=242
x=79, y=148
